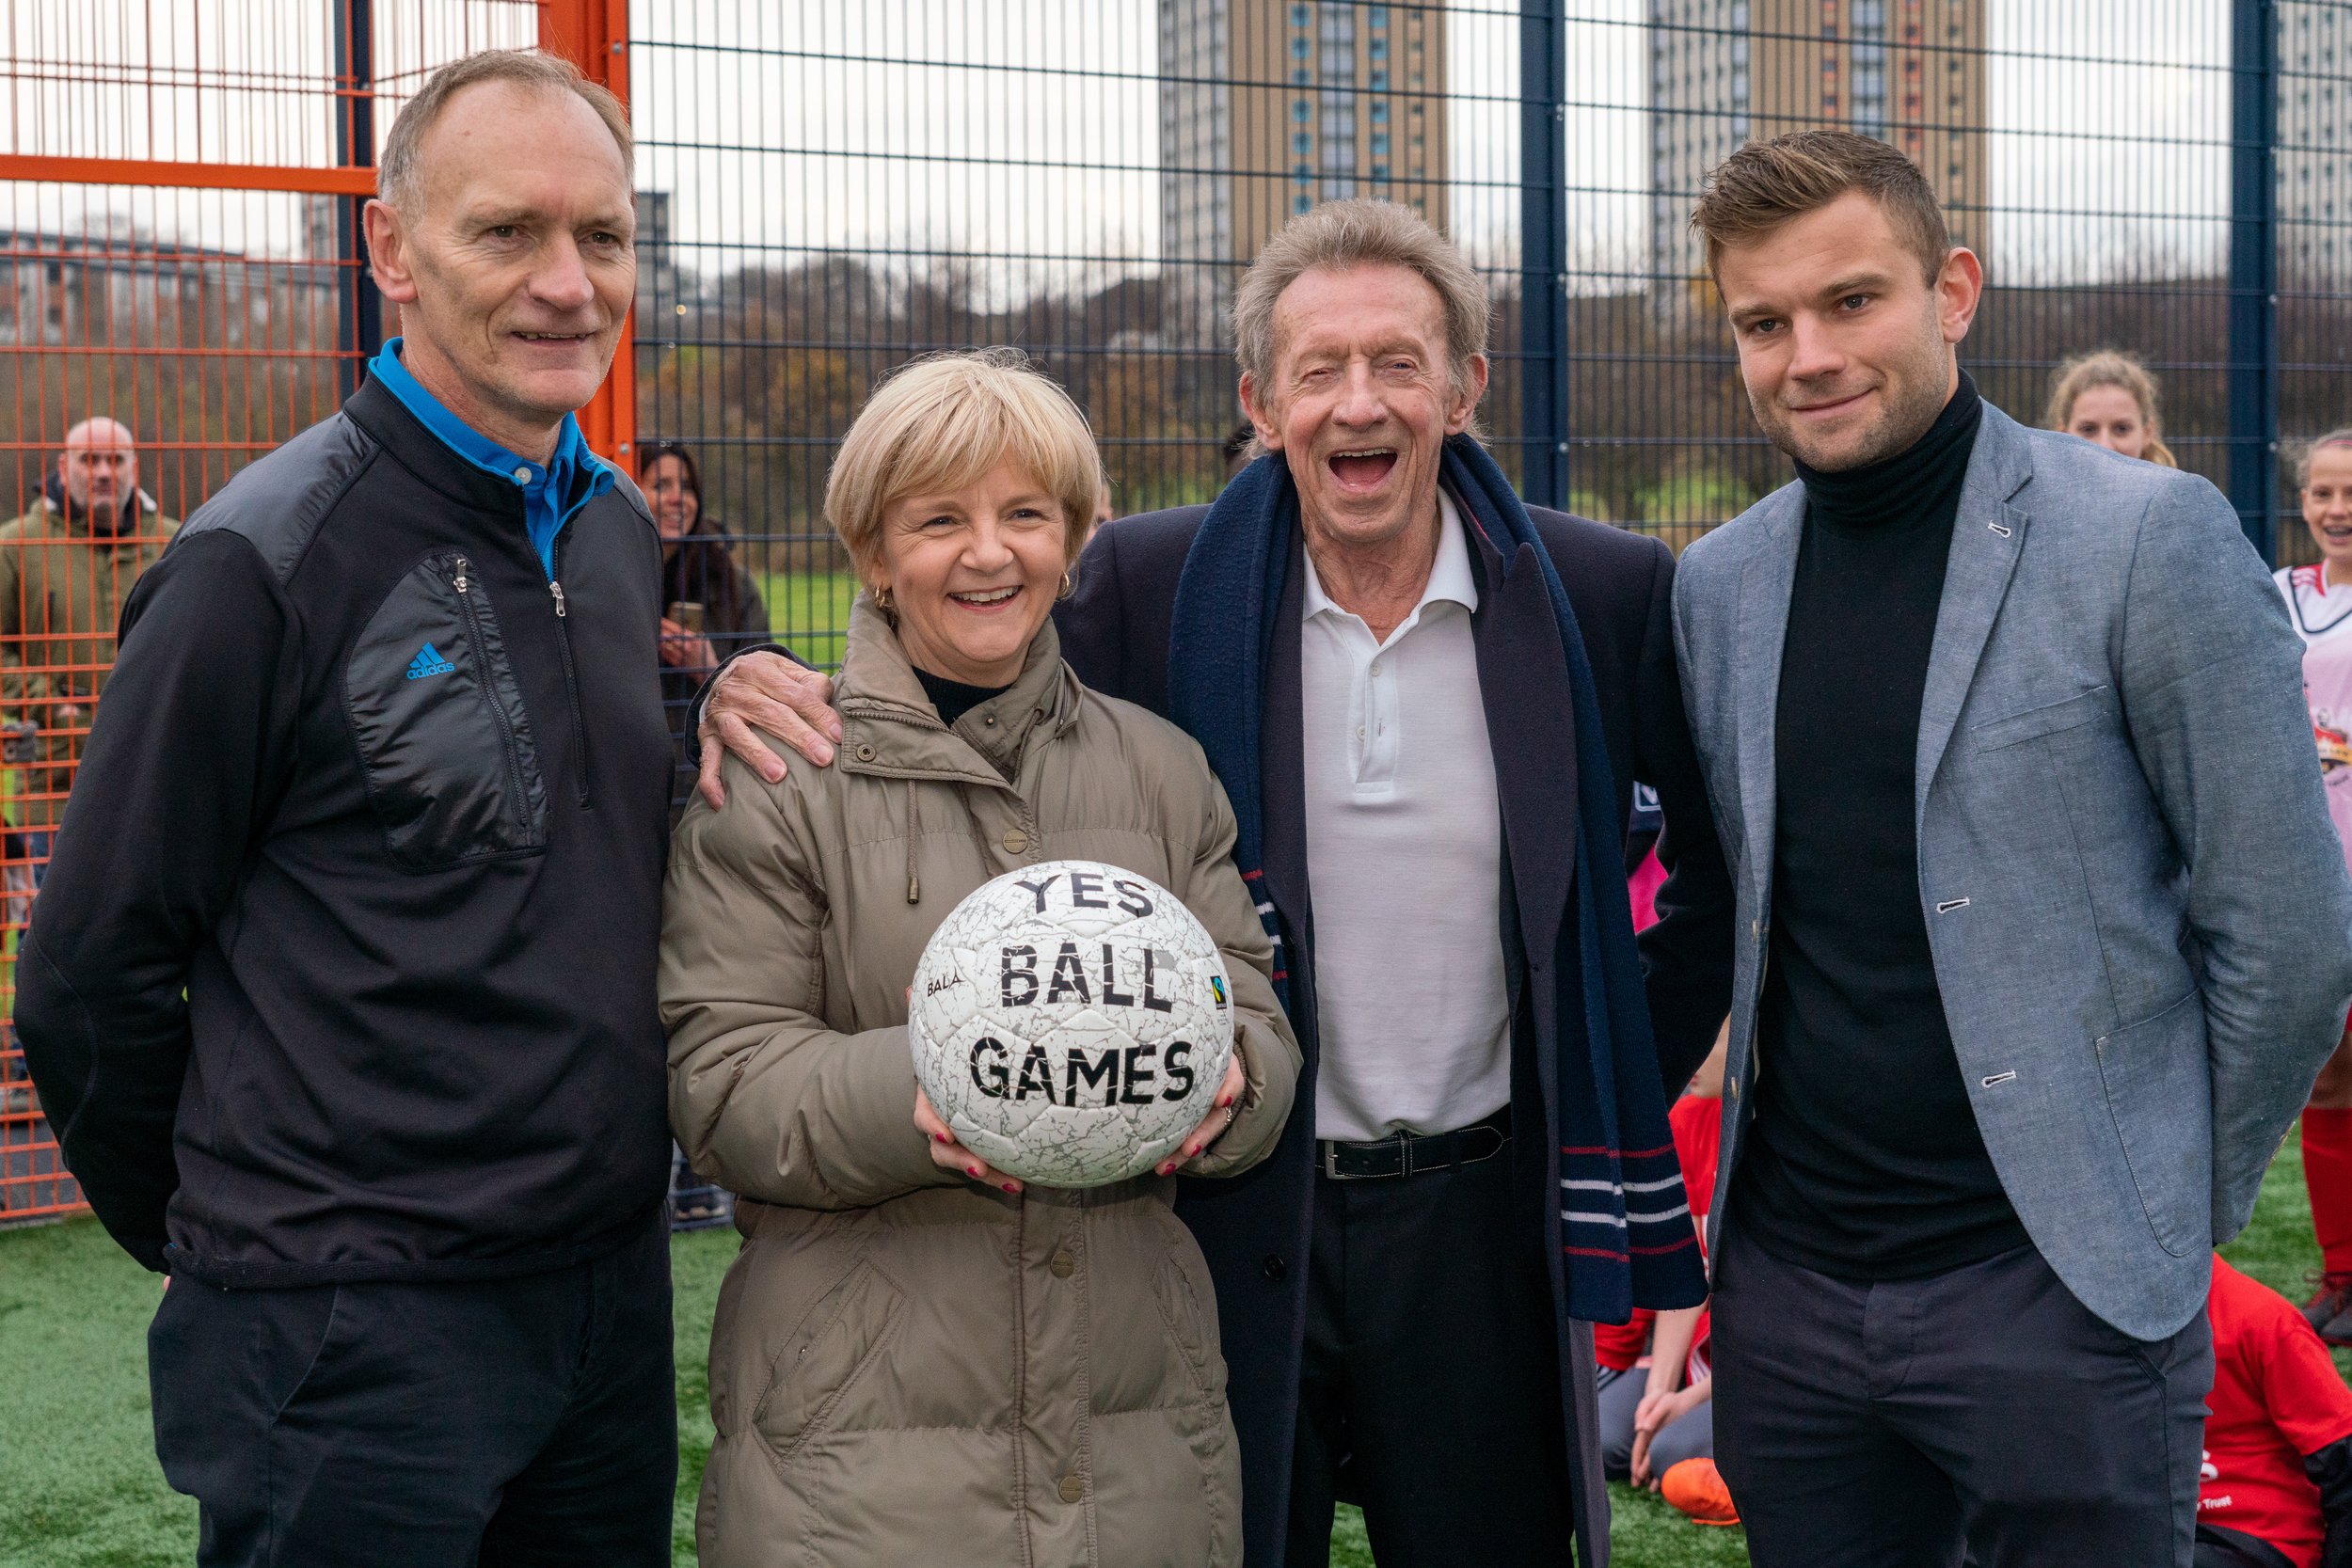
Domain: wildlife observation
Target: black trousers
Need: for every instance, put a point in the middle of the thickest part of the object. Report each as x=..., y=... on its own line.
x=507, y=1422
x=1431, y=1368
x=1983, y=1412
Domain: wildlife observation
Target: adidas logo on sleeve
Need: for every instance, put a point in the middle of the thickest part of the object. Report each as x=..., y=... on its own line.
x=428, y=662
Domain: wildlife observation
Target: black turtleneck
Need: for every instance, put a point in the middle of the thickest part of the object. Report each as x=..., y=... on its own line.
x=1865, y=1161
x=954, y=699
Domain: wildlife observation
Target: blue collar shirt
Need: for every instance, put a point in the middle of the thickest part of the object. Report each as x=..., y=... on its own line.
x=553, y=491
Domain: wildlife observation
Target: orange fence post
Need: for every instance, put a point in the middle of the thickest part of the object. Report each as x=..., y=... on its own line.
x=594, y=35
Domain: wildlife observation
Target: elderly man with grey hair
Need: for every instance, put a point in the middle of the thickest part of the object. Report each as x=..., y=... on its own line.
x=341, y=989
x=1430, y=704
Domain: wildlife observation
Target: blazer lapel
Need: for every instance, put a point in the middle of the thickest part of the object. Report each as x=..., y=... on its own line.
x=1531, y=726
x=1282, y=747
x=1988, y=535
x=1765, y=586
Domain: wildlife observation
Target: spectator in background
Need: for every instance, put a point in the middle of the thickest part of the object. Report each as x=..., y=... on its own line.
x=1238, y=447
x=2111, y=399
x=711, y=606
x=2319, y=603
x=2274, y=1490
x=66, y=566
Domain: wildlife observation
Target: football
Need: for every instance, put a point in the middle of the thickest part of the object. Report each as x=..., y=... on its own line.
x=1071, y=1022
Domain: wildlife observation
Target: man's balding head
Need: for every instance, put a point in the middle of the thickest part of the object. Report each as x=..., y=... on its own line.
x=504, y=236
x=99, y=468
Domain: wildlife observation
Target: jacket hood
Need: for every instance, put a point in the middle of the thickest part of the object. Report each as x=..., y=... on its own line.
x=889, y=726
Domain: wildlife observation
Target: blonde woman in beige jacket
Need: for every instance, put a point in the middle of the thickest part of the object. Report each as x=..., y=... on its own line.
x=915, y=1359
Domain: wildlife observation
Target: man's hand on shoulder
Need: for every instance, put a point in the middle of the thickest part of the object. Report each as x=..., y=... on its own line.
x=765, y=691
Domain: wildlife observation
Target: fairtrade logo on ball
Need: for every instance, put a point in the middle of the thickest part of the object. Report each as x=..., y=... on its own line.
x=1071, y=1022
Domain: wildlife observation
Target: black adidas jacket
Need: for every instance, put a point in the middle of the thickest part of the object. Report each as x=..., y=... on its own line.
x=343, y=968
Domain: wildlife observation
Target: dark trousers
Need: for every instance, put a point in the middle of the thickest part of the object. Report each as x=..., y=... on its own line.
x=1982, y=1411
x=1430, y=1368
x=515, y=1421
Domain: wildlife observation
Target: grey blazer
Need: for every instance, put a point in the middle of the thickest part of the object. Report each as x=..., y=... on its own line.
x=2138, y=912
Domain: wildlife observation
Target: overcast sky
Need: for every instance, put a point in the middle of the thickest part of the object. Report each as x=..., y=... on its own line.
x=1026, y=132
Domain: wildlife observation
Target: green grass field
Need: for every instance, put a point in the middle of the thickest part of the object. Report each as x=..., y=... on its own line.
x=79, y=1487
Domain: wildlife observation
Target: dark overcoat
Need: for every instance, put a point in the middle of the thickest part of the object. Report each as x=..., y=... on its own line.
x=1115, y=634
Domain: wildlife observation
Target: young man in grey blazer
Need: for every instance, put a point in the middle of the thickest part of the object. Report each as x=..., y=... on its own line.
x=2036, y=959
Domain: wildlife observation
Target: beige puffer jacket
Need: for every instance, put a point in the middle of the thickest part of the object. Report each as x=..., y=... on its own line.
x=909, y=1368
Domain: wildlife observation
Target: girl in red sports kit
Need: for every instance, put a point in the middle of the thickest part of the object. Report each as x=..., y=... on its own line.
x=2319, y=602
x=2276, y=1490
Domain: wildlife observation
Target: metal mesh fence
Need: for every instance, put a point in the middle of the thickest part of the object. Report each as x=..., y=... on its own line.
x=180, y=290
x=831, y=187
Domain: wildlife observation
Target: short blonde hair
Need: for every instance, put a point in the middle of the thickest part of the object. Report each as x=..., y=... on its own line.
x=1363, y=232
x=2108, y=367
x=531, y=70
x=2339, y=437
x=940, y=422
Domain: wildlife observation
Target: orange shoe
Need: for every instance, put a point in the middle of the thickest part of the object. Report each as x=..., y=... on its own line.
x=1696, y=1488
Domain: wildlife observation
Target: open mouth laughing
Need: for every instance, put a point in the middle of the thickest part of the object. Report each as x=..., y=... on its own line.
x=1361, y=469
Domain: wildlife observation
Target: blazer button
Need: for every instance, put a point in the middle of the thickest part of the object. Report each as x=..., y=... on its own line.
x=1072, y=1488
x=1274, y=1268
x=1063, y=1265
x=1016, y=841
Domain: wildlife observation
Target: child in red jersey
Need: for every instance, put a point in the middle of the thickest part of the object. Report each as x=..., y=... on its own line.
x=2276, y=1490
x=1653, y=1420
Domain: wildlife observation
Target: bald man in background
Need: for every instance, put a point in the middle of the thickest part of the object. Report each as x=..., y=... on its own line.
x=66, y=566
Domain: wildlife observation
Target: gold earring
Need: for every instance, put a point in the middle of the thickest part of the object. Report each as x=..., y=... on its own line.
x=1068, y=587
x=881, y=600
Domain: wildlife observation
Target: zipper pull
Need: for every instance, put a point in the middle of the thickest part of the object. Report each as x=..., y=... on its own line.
x=460, y=583
x=557, y=589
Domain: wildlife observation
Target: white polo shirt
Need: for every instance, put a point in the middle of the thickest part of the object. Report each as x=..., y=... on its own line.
x=1404, y=863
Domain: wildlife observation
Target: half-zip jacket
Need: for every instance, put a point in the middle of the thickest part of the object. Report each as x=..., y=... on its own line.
x=323, y=984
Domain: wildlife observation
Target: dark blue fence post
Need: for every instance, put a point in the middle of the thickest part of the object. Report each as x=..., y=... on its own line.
x=1544, y=251
x=361, y=308
x=2254, y=269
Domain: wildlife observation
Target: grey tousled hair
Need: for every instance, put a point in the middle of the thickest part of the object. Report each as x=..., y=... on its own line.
x=1358, y=233
x=532, y=68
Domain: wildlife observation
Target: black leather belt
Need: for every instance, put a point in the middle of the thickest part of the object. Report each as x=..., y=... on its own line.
x=1407, y=1155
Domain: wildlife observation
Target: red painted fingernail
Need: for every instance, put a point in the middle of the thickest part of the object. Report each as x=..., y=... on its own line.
x=972, y=1170
x=1012, y=1186
x=941, y=1137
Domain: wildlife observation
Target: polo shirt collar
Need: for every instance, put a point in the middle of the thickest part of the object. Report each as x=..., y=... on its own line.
x=553, y=491
x=1450, y=575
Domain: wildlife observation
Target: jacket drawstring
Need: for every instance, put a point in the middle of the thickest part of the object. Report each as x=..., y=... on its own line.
x=914, y=885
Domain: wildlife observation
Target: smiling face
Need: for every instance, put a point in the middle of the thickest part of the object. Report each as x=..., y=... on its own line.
x=2327, y=509
x=1846, y=350
x=2109, y=416
x=675, y=504
x=513, y=269
x=972, y=574
x=1361, y=400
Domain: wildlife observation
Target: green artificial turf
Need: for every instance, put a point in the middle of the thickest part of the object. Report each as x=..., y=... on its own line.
x=79, y=1487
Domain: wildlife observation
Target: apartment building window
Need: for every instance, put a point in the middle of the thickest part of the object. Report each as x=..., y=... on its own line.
x=1302, y=143
x=1376, y=15
x=1379, y=143
x=1380, y=112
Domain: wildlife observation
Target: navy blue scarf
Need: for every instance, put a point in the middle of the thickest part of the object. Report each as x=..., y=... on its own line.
x=1626, y=1224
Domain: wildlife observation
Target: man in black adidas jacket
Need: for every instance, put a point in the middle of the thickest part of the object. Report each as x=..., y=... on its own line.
x=341, y=987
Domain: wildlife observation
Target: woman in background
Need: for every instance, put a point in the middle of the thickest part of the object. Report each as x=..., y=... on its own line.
x=2319, y=603
x=2111, y=399
x=710, y=606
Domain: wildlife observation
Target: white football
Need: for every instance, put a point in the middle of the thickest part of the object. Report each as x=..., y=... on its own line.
x=1070, y=1022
